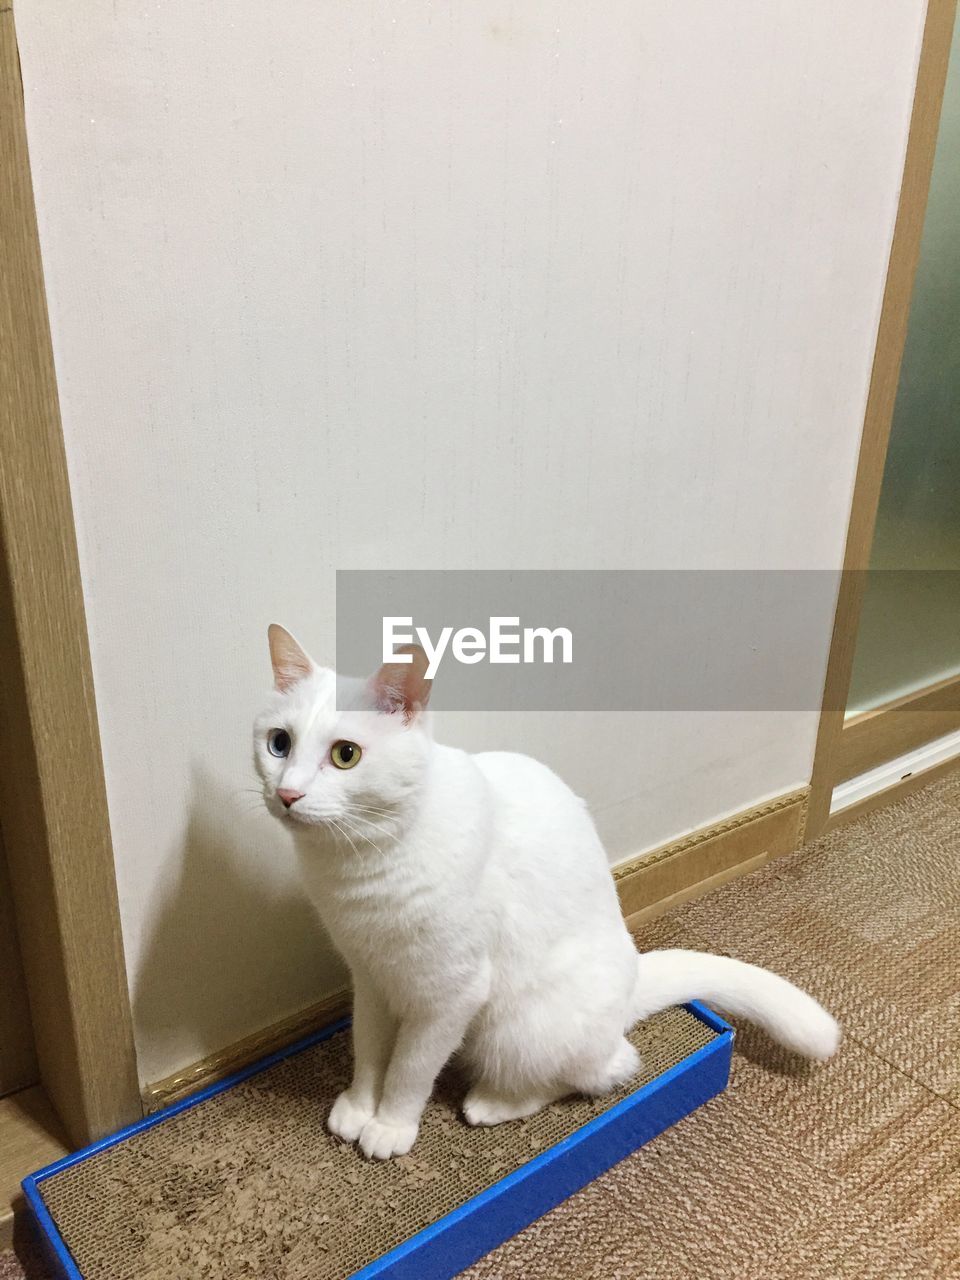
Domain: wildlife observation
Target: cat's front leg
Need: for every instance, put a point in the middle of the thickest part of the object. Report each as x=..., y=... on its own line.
x=424, y=1044
x=374, y=1031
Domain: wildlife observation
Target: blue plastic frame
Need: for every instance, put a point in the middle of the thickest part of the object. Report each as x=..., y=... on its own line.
x=464, y=1235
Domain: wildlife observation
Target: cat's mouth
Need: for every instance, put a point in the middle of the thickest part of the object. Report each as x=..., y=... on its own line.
x=358, y=831
x=292, y=811
x=307, y=817
x=292, y=815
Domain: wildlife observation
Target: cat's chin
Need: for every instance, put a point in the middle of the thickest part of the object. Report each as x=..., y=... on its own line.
x=324, y=826
x=291, y=818
x=310, y=821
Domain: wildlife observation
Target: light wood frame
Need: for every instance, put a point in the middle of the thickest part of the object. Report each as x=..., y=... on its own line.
x=52, y=796
x=883, y=733
x=831, y=755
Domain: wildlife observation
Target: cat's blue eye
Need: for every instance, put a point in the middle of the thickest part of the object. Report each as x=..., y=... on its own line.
x=278, y=743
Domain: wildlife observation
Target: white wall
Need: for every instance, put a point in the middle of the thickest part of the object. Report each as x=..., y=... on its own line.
x=418, y=285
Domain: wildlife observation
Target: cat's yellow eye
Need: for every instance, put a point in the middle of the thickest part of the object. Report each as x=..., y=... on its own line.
x=345, y=754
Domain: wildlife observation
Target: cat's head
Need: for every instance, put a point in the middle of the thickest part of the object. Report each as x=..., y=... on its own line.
x=347, y=757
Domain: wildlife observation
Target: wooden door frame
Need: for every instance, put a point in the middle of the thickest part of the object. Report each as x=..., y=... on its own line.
x=834, y=747
x=52, y=796
x=883, y=733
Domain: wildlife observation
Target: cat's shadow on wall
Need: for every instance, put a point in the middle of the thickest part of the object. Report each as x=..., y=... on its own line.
x=231, y=947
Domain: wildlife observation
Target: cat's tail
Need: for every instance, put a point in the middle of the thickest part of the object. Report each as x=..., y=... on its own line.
x=785, y=1012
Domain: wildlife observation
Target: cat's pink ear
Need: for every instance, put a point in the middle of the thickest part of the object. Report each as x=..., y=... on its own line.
x=290, y=662
x=402, y=688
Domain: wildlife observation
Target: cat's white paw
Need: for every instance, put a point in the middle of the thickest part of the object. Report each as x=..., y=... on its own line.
x=347, y=1117
x=480, y=1107
x=380, y=1141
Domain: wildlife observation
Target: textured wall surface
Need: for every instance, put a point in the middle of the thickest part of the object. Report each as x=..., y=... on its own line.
x=428, y=285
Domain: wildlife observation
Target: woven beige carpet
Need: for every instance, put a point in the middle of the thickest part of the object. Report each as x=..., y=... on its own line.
x=852, y=1169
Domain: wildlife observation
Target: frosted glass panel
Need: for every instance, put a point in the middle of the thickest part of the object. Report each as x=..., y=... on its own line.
x=910, y=629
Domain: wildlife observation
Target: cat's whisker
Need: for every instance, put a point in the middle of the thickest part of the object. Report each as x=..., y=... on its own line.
x=336, y=824
x=255, y=810
x=363, y=813
x=364, y=820
x=376, y=826
x=357, y=832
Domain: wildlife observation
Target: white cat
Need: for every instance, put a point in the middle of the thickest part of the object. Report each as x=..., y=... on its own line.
x=473, y=902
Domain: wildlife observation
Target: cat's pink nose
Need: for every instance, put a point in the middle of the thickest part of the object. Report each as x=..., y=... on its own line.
x=289, y=797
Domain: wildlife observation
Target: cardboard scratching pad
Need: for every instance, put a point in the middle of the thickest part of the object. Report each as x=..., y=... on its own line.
x=242, y=1179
